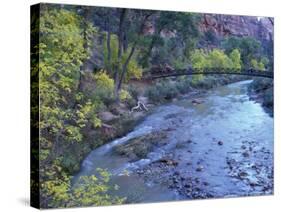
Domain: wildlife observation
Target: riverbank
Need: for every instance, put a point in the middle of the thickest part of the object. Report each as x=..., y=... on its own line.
x=261, y=90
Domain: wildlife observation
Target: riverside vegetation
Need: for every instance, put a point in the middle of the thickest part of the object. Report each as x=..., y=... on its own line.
x=88, y=58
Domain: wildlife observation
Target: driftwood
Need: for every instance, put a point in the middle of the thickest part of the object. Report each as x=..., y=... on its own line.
x=140, y=106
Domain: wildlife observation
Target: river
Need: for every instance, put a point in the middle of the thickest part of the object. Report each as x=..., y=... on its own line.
x=220, y=145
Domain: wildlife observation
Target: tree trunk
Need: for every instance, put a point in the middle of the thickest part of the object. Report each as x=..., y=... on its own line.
x=125, y=66
x=85, y=15
x=108, y=51
x=119, y=56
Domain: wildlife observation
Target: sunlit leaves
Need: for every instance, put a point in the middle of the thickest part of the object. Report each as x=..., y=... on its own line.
x=124, y=95
x=215, y=58
x=257, y=65
x=87, y=191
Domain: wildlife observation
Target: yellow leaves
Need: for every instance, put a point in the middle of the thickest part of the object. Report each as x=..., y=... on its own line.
x=73, y=133
x=96, y=122
x=103, y=81
x=58, y=189
x=87, y=112
x=124, y=95
x=257, y=65
x=134, y=71
x=87, y=191
x=216, y=58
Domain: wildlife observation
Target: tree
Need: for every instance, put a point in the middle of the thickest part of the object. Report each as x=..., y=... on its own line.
x=184, y=27
x=249, y=48
x=127, y=43
x=216, y=58
x=64, y=109
x=87, y=191
x=236, y=59
x=199, y=59
x=257, y=65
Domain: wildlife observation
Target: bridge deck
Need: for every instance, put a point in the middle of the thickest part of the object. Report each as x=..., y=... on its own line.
x=175, y=73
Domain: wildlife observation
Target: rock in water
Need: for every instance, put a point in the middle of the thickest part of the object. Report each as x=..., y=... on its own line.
x=199, y=168
x=245, y=154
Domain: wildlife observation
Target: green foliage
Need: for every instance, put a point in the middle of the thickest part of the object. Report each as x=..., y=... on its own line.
x=60, y=59
x=248, y=47
x=92, y=190
x=134, y=71
x=113, y=62
x=166, y=46
x=104, y=89
x=162, y=91
x=87, y=112
x=257, y=65
x=236, y=59
x=103, y=81
x=87, y=191
x=104, y=84
x=216, y=58
x=124, y=95
x=179, y=63
x=167, y=89
x=199, y=59
x=65, y=40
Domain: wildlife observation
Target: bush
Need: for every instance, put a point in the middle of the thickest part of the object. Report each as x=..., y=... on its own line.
x=162, y=91
x=183, y=85
x=257, y=65
x=216, y=58
x=104, y=90
x=153, y=94
x=124, y=95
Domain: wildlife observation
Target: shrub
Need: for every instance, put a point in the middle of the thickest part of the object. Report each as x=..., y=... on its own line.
x=257, y=65
x=124, y=95
x=162, y=91
x=183, y=85
x=236, y=59
x=104, y=88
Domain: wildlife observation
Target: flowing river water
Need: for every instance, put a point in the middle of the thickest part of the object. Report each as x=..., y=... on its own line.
x=218, y=146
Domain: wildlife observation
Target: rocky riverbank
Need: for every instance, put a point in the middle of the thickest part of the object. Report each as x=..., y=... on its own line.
x=261, y=90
